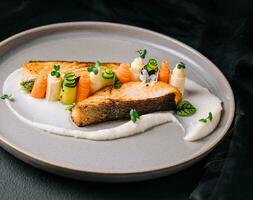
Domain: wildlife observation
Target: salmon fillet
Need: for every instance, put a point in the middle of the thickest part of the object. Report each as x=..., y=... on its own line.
x=111, y=104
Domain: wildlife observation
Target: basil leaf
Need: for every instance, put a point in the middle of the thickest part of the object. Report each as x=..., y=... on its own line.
x=185, y=109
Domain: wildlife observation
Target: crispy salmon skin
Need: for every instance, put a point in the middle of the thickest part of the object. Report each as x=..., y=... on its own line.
x=111, y=104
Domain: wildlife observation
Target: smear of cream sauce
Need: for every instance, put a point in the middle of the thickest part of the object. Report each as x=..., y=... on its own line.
x=51, y=116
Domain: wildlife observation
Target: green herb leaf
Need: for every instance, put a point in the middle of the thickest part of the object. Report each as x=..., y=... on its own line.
x=185, y=109
x=55, y=72
x=57, y=67
x=95, y=69
x=6, y=96
x=134, y=115
x=142, y=53
x=180, y=65
x=90, y=68
x=210, y=118
x=98, y=63
x=117, y=84
x=70, y=107
x=203, y=120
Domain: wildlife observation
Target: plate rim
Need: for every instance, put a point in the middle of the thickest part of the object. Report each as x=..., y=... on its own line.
x=36, y=161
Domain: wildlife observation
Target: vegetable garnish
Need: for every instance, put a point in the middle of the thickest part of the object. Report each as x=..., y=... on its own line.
x=134, y=115
x=180, y=65
x=117, y=84
x=70, y=107
x=6, y=96
x=95, y=68
x=70, y=80
x=185, y=108
x=27, y=86
x=151, y=67
x=108, y=73
x=210, y=118
x=142, y=53
x=55, y=72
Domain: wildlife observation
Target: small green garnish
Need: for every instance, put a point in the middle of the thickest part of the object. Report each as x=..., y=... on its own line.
x=152, y=66
x=108, y=73
x=185, y=109
x=27, y=86
x=55, y=72
x=210, y=118
x=180, y=65
x=117, y=84
x=70, y=80
x=142, y=53
x=95, y=68
x=6, y=96
x=134, y=115
x=70, y=107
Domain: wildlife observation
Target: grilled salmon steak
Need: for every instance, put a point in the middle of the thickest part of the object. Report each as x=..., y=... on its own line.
x=110, y=103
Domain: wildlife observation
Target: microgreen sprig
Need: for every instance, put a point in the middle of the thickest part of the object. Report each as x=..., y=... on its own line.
x=142, y=53
x=185, y=109
x=180, y=65
x=95, y=68
x=117, y=84
x=55, y=72
x=210, y=118
x=6, y=96
x=134, y=115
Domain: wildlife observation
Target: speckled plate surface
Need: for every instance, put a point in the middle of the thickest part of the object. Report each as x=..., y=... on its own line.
x=157, y=152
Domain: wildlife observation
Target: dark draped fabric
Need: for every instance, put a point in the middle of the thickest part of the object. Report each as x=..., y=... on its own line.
x=222, y=30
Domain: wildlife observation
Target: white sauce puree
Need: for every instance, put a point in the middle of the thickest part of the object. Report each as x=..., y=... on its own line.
x=51, y=116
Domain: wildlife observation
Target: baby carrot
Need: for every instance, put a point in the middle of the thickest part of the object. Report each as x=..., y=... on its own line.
x=164, y=73
x=83, y=87
x=123, y=73
x=40, y=87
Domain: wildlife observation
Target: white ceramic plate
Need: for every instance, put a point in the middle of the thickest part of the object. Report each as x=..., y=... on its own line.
x=158, y=152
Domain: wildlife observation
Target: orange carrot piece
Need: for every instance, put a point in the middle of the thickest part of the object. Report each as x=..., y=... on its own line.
x=83, y=87
x=164, y=73
x=123, y=73
x=40, y=87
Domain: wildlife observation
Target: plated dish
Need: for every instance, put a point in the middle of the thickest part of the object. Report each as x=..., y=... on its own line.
x=95, y=92
x=156, y=152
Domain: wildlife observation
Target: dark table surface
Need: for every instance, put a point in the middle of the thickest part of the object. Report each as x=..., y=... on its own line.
x=221, y=30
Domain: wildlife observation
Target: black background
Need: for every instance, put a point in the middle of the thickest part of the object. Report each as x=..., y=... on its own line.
x=221, y=30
